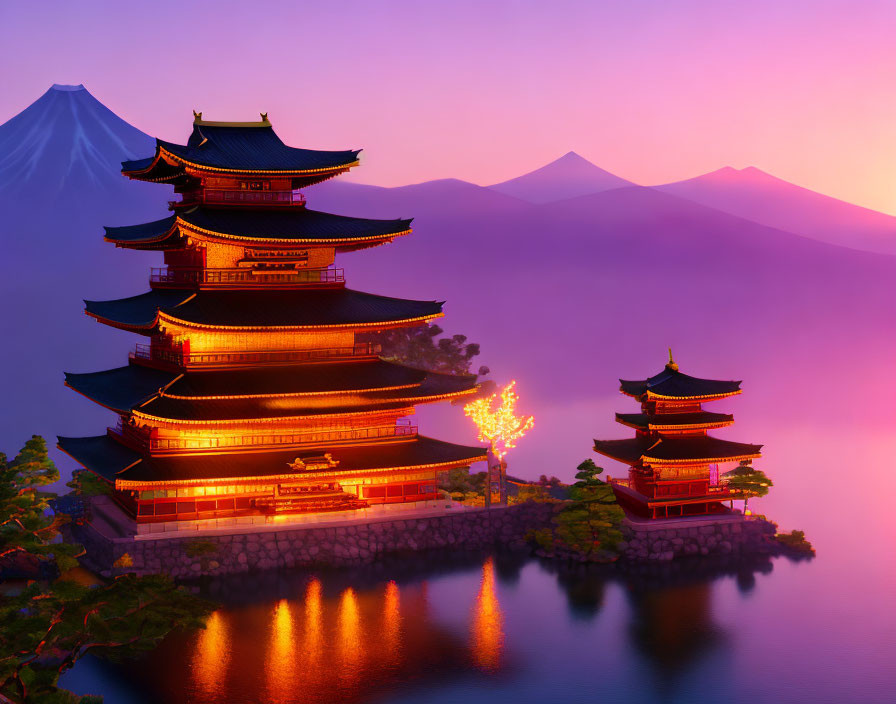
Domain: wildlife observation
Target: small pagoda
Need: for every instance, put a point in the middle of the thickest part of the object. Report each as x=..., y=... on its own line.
x=253, y=397
x=674, y=462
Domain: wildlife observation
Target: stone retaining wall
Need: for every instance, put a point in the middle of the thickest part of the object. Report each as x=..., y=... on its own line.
x=669, y=540
x=339, y=545
x=360, y=543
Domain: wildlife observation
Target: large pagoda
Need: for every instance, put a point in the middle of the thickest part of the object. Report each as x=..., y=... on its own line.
x=673, y=460
x=253, y=397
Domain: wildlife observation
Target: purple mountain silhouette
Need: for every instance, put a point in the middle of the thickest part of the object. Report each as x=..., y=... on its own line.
x=60, y=182
x=763, y=198
x=64, y=142
x=566, y=297
x=566, y=177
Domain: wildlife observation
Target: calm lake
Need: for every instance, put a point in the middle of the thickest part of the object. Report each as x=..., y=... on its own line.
x=497, y=628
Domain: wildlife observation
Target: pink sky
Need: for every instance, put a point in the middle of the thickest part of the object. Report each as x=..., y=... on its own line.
x=483, y=91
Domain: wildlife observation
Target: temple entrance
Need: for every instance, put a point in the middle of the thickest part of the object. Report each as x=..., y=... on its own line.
x=309, y=498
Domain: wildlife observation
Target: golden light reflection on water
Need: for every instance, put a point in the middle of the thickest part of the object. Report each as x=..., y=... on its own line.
x=281, y=663
x=339, y=645
x=351, y=647
x=488, y=622
x=312, y=647
x=392, y=623
x=211, y=657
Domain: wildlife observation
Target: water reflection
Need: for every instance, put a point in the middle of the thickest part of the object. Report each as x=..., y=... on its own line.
x=351, y=646
x=391, y=628
x=362, y=636
x=280, y=665
x=673, y=626
x=488, y=622
x=312, y=646
x=211, y=658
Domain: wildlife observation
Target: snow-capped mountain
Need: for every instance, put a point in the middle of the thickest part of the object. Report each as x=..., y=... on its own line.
x=66, y=140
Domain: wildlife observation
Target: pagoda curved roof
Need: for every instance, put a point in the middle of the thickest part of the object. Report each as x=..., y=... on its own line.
x=123, y=388
x=673, y=384
x=143, y=233
x=298, y=225
x=267, y=392
x=676, y=450
x=683, y=420
x=295, y=308
x=111, y=460
x=198, y=410
x=251, y=147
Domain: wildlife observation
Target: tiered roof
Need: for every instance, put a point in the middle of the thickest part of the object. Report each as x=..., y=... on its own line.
x=381, y=390
x=295, y=309
x=676, y=437
x=284, y=392
x=668, y=421
x=251, y=148
x=672, y=384
x=672, y=450
x=288, y=226
x=130, y=469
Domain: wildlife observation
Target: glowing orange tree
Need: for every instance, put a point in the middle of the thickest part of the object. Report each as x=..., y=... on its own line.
x=500, y=427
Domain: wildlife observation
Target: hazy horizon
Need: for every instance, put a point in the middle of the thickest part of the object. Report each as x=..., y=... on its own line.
x=650, y=92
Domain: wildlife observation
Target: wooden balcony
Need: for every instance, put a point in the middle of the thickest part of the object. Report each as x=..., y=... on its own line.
x=243, y=277
x=649, y=490
x=176, y=357
x=219, y=196
x=144, y=438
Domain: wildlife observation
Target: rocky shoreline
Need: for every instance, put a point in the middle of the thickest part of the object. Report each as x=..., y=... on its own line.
x=505, y=529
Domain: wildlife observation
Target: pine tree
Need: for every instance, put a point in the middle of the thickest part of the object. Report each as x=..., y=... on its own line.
x=748, y=481
x=48, y=625
x=590, y=525
x=27, y=528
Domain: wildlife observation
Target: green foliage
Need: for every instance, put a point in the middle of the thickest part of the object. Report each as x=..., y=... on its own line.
x=46, y=628
x=418, y=347
x=589, y=525
x=200, y=548
x=544, y=481
x=531, y=492
x=796, y=541
x=748, y=482
x=87, y=484
x=460, y=481
x=542, y=537
x=26, y=531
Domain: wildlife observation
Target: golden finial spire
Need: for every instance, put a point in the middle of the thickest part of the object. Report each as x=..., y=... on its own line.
x=671, y=365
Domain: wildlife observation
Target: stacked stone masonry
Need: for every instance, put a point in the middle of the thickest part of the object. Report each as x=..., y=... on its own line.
x=360, y=543
x=351, y=544
x=693, y=538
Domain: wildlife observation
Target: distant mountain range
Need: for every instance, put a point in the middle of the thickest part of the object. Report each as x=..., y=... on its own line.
x=755, y=195
x=748, y=193
x=566, y=177
x=565, y=296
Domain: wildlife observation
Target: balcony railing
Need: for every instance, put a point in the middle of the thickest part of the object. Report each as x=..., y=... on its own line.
x=177, y=357
x=219, y=196
x=649, y=490
x=166, y=276
x=132, y=434
x=144, y=438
